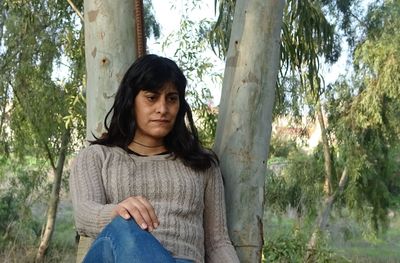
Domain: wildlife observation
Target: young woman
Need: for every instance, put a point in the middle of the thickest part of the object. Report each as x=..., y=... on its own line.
x=146, y=190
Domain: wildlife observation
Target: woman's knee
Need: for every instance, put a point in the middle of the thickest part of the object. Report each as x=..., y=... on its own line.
x=124, y=230
x=129, y=241
x=119, y=222
x=101, y=251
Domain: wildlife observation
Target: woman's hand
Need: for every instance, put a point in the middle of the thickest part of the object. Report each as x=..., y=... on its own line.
x=139, y=209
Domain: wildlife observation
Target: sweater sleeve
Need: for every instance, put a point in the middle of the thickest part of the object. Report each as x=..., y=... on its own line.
x=218, y=247
x=88, y=196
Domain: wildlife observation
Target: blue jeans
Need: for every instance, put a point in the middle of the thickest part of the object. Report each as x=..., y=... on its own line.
x=123, y=241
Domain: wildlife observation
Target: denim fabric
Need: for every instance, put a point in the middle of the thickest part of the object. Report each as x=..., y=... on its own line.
x=123, y=241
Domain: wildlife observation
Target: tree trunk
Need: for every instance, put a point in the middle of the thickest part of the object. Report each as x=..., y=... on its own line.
x=3, y=119
x=245, y=116
x=327, y=152
x=110, y=48
x=54, y=198
x=323, y=217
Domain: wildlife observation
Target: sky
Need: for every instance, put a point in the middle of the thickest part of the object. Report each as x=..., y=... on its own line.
x=169, y=14
x=169, y=19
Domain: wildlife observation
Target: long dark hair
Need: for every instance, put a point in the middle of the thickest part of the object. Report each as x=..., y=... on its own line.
x=151, y=72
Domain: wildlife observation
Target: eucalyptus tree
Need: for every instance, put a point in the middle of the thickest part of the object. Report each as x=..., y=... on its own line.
x=363, y=128
x=109, y=53
x=308, y=38
x=245, y=117
x=364, y=120
x=363, y=112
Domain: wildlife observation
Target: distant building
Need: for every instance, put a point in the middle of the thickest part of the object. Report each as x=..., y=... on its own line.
x=306, y=134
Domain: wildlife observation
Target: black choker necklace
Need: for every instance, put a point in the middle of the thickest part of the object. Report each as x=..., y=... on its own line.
x=147, y=146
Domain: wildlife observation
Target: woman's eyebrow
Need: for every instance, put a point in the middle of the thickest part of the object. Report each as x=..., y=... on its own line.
x=157, y=92
x=151, y=92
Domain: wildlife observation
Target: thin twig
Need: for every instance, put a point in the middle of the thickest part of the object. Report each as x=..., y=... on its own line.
x=75, y=9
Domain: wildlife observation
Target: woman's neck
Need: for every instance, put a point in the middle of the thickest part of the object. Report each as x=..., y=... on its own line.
x=147, y=148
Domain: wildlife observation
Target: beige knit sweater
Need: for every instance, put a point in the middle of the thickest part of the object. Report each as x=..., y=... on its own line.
x=189, y=205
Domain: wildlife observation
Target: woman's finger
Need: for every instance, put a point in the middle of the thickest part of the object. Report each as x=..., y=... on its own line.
x=121, y=211
x=141, y=210
x=150, y=210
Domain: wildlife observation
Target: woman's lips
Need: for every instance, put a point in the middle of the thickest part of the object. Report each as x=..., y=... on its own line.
x=161, y=121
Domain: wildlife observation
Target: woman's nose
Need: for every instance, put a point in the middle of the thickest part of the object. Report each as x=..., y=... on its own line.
x=162, y=106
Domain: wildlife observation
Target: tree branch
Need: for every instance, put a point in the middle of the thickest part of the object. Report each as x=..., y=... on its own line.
x=323, y=217
x=75, y=9
x=362, y=23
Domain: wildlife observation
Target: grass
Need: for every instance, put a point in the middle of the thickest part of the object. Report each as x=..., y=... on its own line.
x=62, y=246
x=359, y=247
x=346, y=239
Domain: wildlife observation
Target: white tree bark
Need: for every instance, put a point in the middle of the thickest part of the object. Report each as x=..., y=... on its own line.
x=110, y=48
x=245, y=116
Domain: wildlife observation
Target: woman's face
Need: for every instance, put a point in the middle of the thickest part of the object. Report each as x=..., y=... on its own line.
x=155, y=113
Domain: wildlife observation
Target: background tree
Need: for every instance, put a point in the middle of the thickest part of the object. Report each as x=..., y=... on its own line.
x=364, y=114
x=36, y=105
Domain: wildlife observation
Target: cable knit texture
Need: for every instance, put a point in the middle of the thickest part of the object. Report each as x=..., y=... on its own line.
x=189, y=204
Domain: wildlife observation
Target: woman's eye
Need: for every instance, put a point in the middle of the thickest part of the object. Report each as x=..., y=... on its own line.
x=151, y=98
x=173, y=98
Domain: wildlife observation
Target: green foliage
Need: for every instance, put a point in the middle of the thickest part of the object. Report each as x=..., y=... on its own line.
x=377, y=63
x=151, y=26
x=292, y=248
x=199, y=69
x=220, y=34
x=298, y=184
x=18, y=182
x=363, y=117
x=207, y=124
x=363, y=111
x=37, y=38
x=306, y=36
x=41, y=40
x=285, y=248
x=281, y=148
x=286, y=241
